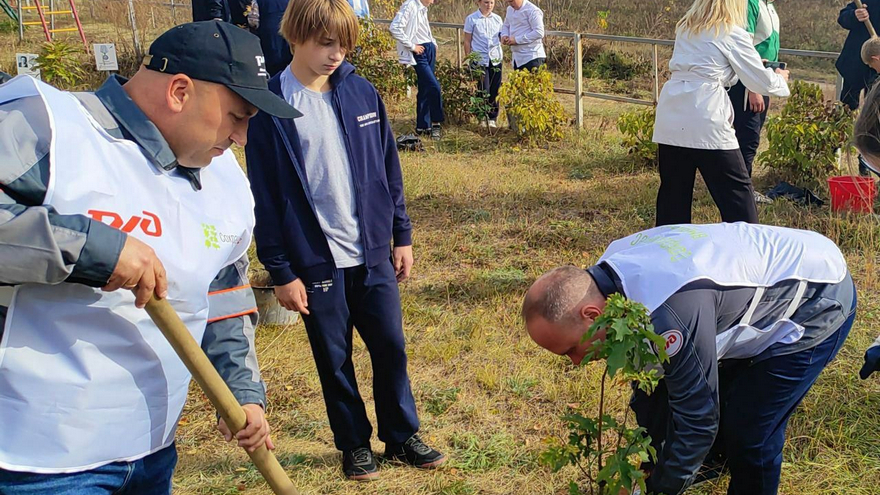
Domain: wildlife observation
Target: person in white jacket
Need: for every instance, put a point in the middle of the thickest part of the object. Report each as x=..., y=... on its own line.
x=417, y=47
x=694, y=122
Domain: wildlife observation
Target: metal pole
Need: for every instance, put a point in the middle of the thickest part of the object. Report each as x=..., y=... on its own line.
x=838, y=86
x=20, y=21
x=173, y=13
x=134, y=32
x=656, y=62
x=458, y=45
x=578, y=81
x=52, y=16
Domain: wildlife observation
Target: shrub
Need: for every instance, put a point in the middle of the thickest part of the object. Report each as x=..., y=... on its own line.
x=560, y=55
x=462, y=98
x=375, y=58
x=614, y=65
x=610, y=466
x=60, y=64
x=528, y=99
x=638, y=129
x=804, y=139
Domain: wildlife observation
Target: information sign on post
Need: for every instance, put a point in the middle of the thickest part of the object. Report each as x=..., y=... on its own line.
x=105, y=56
x=26, y=64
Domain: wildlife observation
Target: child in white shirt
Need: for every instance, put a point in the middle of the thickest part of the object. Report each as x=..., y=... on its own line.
x=482, y=35
x=417, y=47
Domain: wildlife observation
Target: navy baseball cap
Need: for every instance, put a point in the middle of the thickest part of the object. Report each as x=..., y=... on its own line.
x=221, y=53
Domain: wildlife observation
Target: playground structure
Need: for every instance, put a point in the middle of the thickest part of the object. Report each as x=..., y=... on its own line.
x=33, y=13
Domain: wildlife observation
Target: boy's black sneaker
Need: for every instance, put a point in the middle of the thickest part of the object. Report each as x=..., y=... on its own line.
x=436, y=132
x=415, y=453
x=359, y=464
x=422, y=132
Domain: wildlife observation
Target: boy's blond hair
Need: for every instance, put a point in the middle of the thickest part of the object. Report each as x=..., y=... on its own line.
x=311, y=19
x=870, y=49
x=717, y=15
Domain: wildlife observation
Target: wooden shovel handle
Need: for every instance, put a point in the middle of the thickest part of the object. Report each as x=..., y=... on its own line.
x=868, y=23
x=164, y=316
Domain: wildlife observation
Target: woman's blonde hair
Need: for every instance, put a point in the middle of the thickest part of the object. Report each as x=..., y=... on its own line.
x=310, y=19
x=717, y=15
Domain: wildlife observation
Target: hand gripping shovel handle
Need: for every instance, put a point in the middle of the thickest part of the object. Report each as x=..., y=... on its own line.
x=164, y=316
x=868, y=23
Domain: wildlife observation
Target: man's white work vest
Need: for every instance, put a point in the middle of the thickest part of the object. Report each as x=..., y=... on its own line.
x=654, y=264
x=86, y=378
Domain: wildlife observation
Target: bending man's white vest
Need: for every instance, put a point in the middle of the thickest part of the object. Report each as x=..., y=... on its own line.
x=85, y=377
x=654, y=264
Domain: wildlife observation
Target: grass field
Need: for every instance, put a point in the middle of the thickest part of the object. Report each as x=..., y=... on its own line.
x=489, y=217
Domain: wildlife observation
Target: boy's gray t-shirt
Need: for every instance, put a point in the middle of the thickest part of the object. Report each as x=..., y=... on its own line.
x=328, y=170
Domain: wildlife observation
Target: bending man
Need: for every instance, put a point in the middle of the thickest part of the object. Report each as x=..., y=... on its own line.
x=751, y=315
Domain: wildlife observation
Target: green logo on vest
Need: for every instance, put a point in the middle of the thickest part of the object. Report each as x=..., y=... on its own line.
x=211, y=238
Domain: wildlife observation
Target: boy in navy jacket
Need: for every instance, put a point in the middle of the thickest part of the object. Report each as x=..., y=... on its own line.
x=329, y=203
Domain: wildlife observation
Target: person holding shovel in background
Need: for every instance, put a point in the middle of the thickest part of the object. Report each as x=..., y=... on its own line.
x=858, y=75
x=751, y=315
x=95, y=189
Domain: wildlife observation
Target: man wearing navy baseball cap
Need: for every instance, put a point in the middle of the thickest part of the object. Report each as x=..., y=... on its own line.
x=95, y=190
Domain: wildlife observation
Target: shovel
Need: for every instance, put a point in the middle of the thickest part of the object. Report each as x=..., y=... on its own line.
x=868, y=24
x=164, y=316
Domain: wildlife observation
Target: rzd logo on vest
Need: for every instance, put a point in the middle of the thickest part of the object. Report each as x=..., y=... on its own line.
x=149, y=223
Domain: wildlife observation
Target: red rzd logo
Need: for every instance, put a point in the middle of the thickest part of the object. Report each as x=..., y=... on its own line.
x=674, y=341
x=150, y=226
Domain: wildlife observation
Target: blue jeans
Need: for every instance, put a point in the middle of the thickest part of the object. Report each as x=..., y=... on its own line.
x=148, y=476
x=756, y=402
x=429, y=100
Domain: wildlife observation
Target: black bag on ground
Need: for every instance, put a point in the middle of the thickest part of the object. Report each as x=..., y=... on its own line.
x=799, y=195
x=409, y=142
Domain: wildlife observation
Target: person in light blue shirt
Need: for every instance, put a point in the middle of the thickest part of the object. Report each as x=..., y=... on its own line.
x=482, y=35
x=361, y=8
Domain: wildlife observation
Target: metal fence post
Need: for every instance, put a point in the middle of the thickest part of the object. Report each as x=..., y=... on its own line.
x=173, y=13
x=458, y=45
x=20, y=21
x=578, y=81
x=656, y=62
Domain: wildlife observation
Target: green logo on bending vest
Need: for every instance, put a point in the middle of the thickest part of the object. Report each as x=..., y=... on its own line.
x=212, y=240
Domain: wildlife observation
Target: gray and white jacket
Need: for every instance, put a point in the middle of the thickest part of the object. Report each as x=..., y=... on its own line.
x=39, y=245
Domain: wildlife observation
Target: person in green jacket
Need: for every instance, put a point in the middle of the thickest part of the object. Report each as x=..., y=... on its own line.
x=750, y=109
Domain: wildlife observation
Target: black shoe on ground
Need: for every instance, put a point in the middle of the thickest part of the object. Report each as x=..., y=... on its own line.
x=422, y=132
x=415, y=453
x=359, y=464
x=436, y=132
